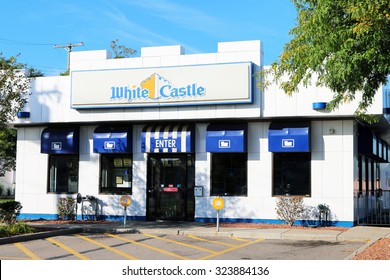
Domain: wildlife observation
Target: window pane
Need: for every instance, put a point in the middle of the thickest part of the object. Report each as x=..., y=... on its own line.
x=63, y=173
x=229, y=174
x=292, y=174
x=116, y=174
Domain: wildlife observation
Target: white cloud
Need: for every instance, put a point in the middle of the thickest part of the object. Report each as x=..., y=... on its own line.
x=181, y=15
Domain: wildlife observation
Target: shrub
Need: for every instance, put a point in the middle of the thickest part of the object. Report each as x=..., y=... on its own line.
x=289, y=208
x=15, y=229
x=66, y=208
x=9, y=211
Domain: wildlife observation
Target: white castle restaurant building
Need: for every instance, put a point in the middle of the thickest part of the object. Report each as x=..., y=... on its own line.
x=173, y=131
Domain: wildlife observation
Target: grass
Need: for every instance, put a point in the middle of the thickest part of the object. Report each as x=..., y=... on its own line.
x=17, y=228
x=6, y=198
x=7, y=230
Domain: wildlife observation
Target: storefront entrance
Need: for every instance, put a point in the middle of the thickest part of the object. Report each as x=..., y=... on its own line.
x=170, y=186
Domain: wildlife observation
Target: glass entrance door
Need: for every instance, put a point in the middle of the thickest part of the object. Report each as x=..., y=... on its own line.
x=169, y=187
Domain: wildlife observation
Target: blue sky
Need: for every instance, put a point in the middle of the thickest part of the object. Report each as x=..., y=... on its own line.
x=32, y=28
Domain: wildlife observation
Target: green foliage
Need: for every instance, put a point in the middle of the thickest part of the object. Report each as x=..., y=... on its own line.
x=15, y=229
x=33, y=73
x=9, y=211
x=346, y=44
x=121, y=51
x=66, y=208
x=7, y=149
x=14, y=87
x=289, y=208
x=66, y=73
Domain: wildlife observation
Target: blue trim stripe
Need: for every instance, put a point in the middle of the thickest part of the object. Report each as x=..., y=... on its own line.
x=272, y=221
x=167, y=139
x=347, y=224
x=79, y=217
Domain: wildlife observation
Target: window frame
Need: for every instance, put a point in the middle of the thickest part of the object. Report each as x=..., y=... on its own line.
x=212, y=172
x=115, y=190
x=308, y=188
x=76, y=159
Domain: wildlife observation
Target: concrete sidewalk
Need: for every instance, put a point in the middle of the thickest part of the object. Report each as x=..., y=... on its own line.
x=358, y=233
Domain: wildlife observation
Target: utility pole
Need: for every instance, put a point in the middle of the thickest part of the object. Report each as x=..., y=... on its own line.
x=69, y=48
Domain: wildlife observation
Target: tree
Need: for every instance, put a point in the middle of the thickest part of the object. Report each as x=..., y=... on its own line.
x=121, y=51
x=33, y=72
x=7, y=149
x=13, y=96
x=346, y=44
x=289, y=208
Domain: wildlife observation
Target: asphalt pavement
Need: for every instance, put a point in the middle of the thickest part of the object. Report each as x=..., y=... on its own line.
x=365, y=234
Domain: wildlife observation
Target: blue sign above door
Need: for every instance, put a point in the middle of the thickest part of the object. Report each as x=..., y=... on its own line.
x=289, y=137
x=112, y=140
x=223, y=138
x=55, y=140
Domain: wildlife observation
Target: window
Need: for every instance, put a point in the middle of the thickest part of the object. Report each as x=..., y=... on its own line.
x=116, y=174
x=63, y=173
x=229, y=174
x=292, y=174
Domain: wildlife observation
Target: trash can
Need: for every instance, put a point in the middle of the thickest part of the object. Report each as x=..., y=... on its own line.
x=323, y=215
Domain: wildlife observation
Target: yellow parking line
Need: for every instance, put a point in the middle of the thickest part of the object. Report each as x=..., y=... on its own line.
x=180, y=243
x=127, y=256
x=211, y=241
x=231, y=249
x=25, y=250
x=68, y=249
x=149, y=247
x=240, y=239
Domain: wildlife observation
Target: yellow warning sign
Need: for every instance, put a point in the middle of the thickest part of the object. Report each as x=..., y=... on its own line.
x=125, y=201
x=218, y=203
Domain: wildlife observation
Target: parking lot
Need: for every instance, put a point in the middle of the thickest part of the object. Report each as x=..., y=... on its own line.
x=107, y=246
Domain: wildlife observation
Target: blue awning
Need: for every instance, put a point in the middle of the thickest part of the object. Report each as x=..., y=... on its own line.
x=289, y=137
x=56, y=140
x=226, y=138
x=372, y=146
x=168, y=139
x=112, y=140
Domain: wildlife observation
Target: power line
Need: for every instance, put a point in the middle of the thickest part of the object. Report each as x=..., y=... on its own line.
x=15, y=42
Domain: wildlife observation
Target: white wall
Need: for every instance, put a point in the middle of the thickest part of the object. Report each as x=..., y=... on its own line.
x=31, y=176
x=279, y=104
x=332, y=173
x=50, y=98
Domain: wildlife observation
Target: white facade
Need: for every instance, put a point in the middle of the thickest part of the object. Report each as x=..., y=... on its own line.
x=333, y=138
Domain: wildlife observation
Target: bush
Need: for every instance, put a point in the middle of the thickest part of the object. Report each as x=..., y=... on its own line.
x=9, y=211
x=15, y=229
x=66, y=208
x=289, y=208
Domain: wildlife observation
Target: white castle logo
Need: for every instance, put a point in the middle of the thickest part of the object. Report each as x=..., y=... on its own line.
x=155, y=87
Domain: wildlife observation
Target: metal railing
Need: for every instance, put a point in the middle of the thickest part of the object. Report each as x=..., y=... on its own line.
x=373, y=207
